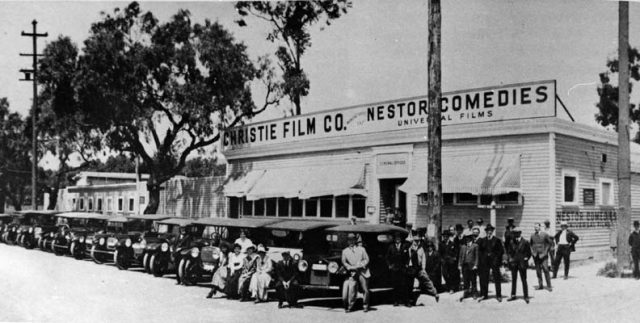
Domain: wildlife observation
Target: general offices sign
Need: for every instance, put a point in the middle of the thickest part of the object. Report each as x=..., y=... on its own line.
x=507, y=102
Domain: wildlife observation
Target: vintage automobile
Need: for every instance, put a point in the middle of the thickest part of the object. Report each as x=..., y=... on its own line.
x=5, y=220
x=132, y=252
x=102, y=246
x=35, y=225
x=166, y=254
x=75, y=231
x=201, y=261
x=327, y=272
x=10, y=232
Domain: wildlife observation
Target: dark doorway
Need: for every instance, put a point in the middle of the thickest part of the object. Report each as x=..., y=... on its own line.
x=393, y=202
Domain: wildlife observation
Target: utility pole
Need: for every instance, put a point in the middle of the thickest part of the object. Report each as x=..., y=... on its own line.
x=434, y=122
x=34, y=133
x=624, y=168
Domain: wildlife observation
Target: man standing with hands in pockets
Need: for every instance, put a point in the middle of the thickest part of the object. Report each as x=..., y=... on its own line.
x=540, y=246
x=356, y=261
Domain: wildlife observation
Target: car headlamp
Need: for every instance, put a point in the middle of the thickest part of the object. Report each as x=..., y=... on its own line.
x=101, y=241
x=30, y=229
x=67, y=237
x=333, y=267
x=143, y=243
x=216, y=256
x=296, y=257
x=81, y=239
x=52, y=234
x=164, y=247
x=195, y=252
x=127, y=243
x=303, y=265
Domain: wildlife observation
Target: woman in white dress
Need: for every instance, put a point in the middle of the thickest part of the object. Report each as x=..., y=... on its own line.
x=261, y=279
x=219, y=280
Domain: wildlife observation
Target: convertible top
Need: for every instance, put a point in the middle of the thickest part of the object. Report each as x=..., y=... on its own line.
x=152, y=217
x=5, y=215
x=83, y=215
x=177, y=221
x=302, y=225
x=250, y=223
x=367, y=228
x=38, y=212
x=120, y=219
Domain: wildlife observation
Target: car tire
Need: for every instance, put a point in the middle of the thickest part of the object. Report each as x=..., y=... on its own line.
x=157, y=268
x=145, y=263
x=57, y=251
x=39, y=243
x=94, y=255
x=120, y=259
x=189, y=273
x=21, y=240
x=72, y=249
x=180, y=274
x=27, y=243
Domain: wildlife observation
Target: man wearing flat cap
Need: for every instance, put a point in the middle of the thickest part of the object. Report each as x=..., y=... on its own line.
x=565, y=245
x=356, y=260
x=519, y=254
x=449, y=251
x=540, y=246
x=397, y=256
x=490, y=252
x=634, y=242
x=468, y=265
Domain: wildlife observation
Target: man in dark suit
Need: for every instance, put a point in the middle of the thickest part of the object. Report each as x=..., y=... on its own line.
x=519, y=254
x=287, y=285
x=491, y=252
x=508, y=234
x=449, y=251
x=433, y=266
x=540, y=247
x=565, y=245
x=468, y=265
x=397, y=257
x=634, y=242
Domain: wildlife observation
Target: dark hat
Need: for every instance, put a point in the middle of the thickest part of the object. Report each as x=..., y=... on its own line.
x=459, y=227
x=510, y=220
x=516, y=230
x=237, y=245
x=489, y=227
x=480, y=220
x=398, y=235
x=546, y=222
x=636, y=223
x=446, y=233
x=351, y=236
x=469, y=221
x=564, y=224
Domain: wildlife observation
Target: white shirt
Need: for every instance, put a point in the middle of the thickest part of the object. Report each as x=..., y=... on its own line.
x=563, y=237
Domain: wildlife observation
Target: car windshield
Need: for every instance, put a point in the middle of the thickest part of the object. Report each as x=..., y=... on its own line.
x=310, y=241
x=95, y=225
x=116, y=227
x=371, y=241
x=139, y=225
x=163, y=228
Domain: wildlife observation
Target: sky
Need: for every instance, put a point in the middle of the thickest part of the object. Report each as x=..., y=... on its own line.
x=378, y=51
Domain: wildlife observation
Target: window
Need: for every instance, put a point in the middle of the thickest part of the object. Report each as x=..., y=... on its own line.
x=447, y=198
x=132, y=204
x=342, y=206
x=90, y=204
x=82, y=204
x=311, y=207
x=326, y=206
x=73, y=204
x=465, y=199
x=109, y=204
x=296, y=207
x=259, y=207
x=606, y=192
x=271, y=206
x=359, y=206
x=142, y=200
x=509, y=198
x=99, y=204
x=247, y=207
x=120, y=204
x=486, y=199
x=283, y=207
x=570, y=187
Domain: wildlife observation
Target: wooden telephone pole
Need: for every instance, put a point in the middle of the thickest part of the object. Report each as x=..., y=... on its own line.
x=34, y=140
x=624, y=168
x=434, y=138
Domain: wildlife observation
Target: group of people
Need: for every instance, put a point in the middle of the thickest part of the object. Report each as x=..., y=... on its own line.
x=476, y=252
x=246, y=272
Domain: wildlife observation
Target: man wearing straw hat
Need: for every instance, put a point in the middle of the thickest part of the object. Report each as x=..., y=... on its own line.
x=565, y=245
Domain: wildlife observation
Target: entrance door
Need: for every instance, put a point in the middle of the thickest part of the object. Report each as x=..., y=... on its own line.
x=393, y=202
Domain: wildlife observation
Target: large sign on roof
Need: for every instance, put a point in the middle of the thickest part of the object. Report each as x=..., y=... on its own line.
x=505, y=102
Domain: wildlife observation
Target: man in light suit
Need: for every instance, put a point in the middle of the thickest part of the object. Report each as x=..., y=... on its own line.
x=519, y=254
x=540, y=247
x=356, y=261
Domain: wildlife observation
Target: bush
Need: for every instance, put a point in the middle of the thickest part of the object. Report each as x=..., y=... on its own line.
x=610, y=270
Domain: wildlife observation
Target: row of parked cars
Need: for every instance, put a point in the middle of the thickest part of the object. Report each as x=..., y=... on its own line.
x=163, y=245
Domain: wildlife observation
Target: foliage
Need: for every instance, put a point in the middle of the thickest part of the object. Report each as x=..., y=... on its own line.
x=610, y=270
x=162, y=91
x=607, y=105
x=290, y=21
x=203, y=167
x=15, y=158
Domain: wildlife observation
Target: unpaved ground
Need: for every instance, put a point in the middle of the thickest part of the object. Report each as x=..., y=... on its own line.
x=41, y=287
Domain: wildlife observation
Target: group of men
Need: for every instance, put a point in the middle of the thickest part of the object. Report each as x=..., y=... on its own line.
x=475, y=252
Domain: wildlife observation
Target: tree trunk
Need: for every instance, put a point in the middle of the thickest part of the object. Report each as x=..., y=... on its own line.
x=3, y=198
x=624, y=170
x=154, y=195
x=434, y=169
x=53, y=198
x=296, y=102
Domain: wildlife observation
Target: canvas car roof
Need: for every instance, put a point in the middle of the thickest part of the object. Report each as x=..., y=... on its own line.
x=118, y=219
x=38, y=212
x=250, y=223
x=302, y=225
x=177, y=221
x=152, y=217
x=367, y=228
x=83, y=215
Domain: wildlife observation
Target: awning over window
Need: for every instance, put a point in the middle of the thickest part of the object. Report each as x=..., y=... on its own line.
x=238, y=185
x=307, y=182
x=481, y=175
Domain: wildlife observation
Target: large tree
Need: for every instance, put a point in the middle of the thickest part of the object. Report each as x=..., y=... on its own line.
x=607, y=105
x=162, y=91
x=15, y=158
x=291, y=21
x=61, y=134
